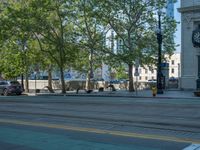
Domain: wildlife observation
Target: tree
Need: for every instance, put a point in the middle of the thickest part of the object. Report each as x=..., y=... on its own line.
x=52, y=26
x=90, y=29
x=42, y=62
x=15, y=36
x=133, y=22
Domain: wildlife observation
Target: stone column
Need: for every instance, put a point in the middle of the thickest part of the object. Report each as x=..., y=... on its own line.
x=190, y=19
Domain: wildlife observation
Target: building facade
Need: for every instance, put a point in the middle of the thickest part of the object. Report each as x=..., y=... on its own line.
x=146, y=73
x=190, y=55
x=170, y=8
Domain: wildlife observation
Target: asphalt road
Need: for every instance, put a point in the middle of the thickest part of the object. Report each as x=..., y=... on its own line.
x=15, y=137
x=144, y=120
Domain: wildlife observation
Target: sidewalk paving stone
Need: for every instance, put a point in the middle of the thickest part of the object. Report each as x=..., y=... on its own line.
x=123, y=93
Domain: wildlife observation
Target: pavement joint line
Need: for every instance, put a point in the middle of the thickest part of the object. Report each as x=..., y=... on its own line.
x=100, y=131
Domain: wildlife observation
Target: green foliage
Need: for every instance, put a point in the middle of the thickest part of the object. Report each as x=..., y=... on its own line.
x=10, y=64
x=80, y=34
x=89, y=29
x=52, y=27
x=121, y=72
x=133, y=23
x=15, y=37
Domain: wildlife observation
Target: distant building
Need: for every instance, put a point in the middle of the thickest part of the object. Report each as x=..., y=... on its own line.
x=174, y=65
x=149, y=73
x=170, y=8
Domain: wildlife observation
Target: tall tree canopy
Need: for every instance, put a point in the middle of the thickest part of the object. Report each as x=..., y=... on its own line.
x=81, y=34
x=133, y=23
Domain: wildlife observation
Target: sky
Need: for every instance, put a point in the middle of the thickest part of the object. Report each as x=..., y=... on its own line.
x=177, y=17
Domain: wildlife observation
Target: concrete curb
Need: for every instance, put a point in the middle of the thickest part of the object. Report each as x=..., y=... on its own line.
x=109, y=95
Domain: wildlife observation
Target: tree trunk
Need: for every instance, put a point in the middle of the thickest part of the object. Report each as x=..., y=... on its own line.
x=90, y=72
x=130, y=74
x=62, y=80
x=88, y=80
x=50, y=79
x=26, y=82
x=22, y=81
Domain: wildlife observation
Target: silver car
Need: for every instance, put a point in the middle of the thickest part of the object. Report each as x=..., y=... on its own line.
x=10, y=87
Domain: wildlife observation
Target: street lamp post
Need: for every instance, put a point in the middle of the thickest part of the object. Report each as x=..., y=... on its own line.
x=159, y=71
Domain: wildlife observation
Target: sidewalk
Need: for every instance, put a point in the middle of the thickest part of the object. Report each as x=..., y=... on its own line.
x=123, y=93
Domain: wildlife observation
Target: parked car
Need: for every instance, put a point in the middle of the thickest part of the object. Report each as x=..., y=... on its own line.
x=114, y=81
x=10, y=87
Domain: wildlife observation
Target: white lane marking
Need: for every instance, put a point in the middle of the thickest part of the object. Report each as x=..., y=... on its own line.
x=193, y=147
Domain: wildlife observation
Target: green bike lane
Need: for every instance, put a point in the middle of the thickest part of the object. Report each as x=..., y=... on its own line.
x=22, y=136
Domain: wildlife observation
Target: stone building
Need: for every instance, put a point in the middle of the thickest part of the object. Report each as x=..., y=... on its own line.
x=146, y=73
x=190, y=55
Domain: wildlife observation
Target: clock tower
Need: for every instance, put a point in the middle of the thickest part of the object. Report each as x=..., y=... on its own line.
x=190, y=43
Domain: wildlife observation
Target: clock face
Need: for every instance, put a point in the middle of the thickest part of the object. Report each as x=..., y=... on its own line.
x=196, y=38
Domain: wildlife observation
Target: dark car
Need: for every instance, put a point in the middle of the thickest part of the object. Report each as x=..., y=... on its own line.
x=10, y=87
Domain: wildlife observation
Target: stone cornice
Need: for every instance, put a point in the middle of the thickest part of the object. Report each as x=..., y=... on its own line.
x=189, y=9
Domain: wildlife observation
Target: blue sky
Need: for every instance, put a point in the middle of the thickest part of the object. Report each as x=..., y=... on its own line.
x=177, y=17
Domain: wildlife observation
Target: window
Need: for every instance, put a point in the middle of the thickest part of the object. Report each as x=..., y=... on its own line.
x=146, y=78
x=120, y=45
x=152, y=77
x=140, y=70
x=172, y=71
x=152, y=71
x=140, y=78
x=172, y=62
x=15, y=82
x=3, y=83
x=146, y=71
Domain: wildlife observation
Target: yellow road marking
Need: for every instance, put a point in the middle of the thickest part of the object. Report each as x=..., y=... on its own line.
x=100, y=131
